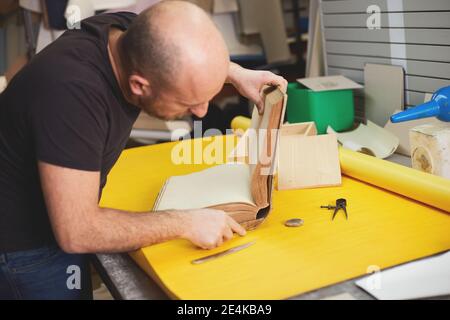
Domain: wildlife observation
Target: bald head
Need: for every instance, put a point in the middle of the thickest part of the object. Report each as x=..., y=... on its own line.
x=174, y=41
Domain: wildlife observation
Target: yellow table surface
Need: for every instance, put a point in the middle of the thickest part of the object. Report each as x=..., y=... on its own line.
x=384, y=229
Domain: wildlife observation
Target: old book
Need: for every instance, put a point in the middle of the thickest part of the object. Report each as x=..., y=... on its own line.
x=242, y=190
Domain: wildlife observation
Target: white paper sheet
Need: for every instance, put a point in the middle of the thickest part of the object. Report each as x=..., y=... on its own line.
x=420, y=279
x=380, y=142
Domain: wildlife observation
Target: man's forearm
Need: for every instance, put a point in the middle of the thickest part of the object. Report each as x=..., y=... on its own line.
x=110, y=230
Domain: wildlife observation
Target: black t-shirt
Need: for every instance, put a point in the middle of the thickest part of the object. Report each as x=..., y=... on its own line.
x=64, y=108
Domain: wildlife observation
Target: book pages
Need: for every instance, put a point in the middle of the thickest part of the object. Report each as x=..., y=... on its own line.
x=227, y=183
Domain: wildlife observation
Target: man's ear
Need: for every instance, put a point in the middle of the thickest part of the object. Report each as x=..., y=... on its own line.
x=139, y=86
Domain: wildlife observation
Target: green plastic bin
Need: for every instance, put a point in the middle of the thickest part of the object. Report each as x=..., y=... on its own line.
x=333, y=108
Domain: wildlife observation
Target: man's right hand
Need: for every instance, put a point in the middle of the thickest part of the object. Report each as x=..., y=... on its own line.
x=81, y=226
x=208, y=228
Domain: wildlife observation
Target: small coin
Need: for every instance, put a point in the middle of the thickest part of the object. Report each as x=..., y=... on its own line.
x=294, y=223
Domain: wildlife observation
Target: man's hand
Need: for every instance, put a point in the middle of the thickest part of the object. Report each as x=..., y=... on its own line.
x=250, y=82
x=208, y=228
x=80, y=226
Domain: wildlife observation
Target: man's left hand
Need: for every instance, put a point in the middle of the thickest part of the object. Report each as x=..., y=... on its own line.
x=250, y=82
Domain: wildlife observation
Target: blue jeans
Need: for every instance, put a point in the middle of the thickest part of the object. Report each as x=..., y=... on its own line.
x=44, y=273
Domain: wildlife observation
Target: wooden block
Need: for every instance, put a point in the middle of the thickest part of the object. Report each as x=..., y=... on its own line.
x=401, y=131
x=430, y=148
x=307, y=160
x=301, y=129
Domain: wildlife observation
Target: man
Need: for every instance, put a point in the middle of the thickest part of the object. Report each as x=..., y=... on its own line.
x=65, y=118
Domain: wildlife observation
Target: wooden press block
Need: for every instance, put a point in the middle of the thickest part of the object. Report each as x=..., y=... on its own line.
x=430, y=148
x=401, y=131
x=307, y=160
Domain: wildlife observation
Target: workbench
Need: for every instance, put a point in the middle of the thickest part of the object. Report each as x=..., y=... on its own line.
x=125, y=279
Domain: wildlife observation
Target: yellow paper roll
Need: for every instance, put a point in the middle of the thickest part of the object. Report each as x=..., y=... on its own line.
x=240, y=122
x=417, y=185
